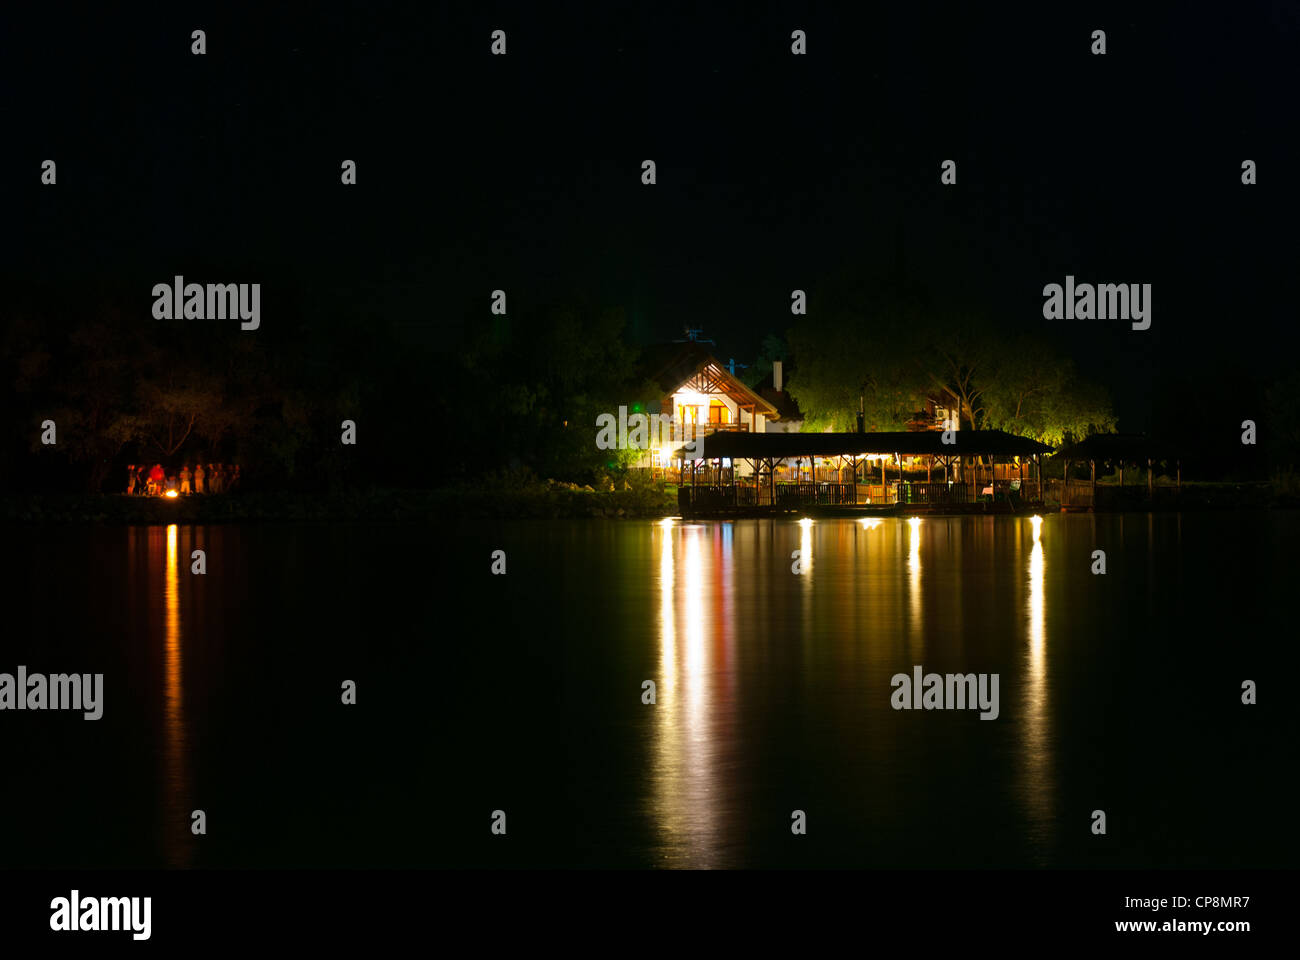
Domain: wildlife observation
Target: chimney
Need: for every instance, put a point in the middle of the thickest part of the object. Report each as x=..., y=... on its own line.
x=776, y=375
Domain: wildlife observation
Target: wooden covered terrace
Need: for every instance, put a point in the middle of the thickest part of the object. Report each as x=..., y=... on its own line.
x=1119, y=450
x=980, y=469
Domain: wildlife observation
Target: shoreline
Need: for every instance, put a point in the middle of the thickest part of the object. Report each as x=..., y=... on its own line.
x=533, y=501
x=541, y=501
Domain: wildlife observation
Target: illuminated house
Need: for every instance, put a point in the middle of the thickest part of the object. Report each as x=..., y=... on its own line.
x=703, y=397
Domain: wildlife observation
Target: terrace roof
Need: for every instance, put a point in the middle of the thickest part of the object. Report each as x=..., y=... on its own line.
x=783, y=446
x=1116, y=446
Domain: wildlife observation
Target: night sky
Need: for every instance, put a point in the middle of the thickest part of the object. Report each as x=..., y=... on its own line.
x=775, y=172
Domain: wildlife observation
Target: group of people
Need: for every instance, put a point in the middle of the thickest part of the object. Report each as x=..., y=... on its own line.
x=153, y=481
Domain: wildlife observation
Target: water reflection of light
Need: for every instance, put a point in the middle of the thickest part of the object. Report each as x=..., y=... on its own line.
x=1036, y=613
x=693, y=579
x=668, y=637
x=915, y=609
x=687, y=790
x=805, y=546
x=869, y=523
x=1037, y=762
x=175, y=774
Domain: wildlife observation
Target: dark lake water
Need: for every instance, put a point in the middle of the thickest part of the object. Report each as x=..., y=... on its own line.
x=523, y=693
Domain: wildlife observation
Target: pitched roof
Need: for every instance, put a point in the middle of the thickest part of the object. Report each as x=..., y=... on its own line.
x=672, y=364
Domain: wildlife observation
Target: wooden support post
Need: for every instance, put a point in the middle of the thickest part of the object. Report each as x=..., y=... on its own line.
x=929, y=469
x=1180, y=475
x=1151, y=490
x=1093, y=463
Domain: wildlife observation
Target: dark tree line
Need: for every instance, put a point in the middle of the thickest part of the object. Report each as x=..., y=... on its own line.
x=537, y=382
x=520, y=393
x=887, y=358
x=123, y=388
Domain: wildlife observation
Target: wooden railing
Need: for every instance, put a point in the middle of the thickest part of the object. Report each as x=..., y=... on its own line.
x=876, y=494
x=805, y=493
x=1110, y=496
x=719, y=496
x=792, y=495
x=931, y=493
x=1070, y=493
